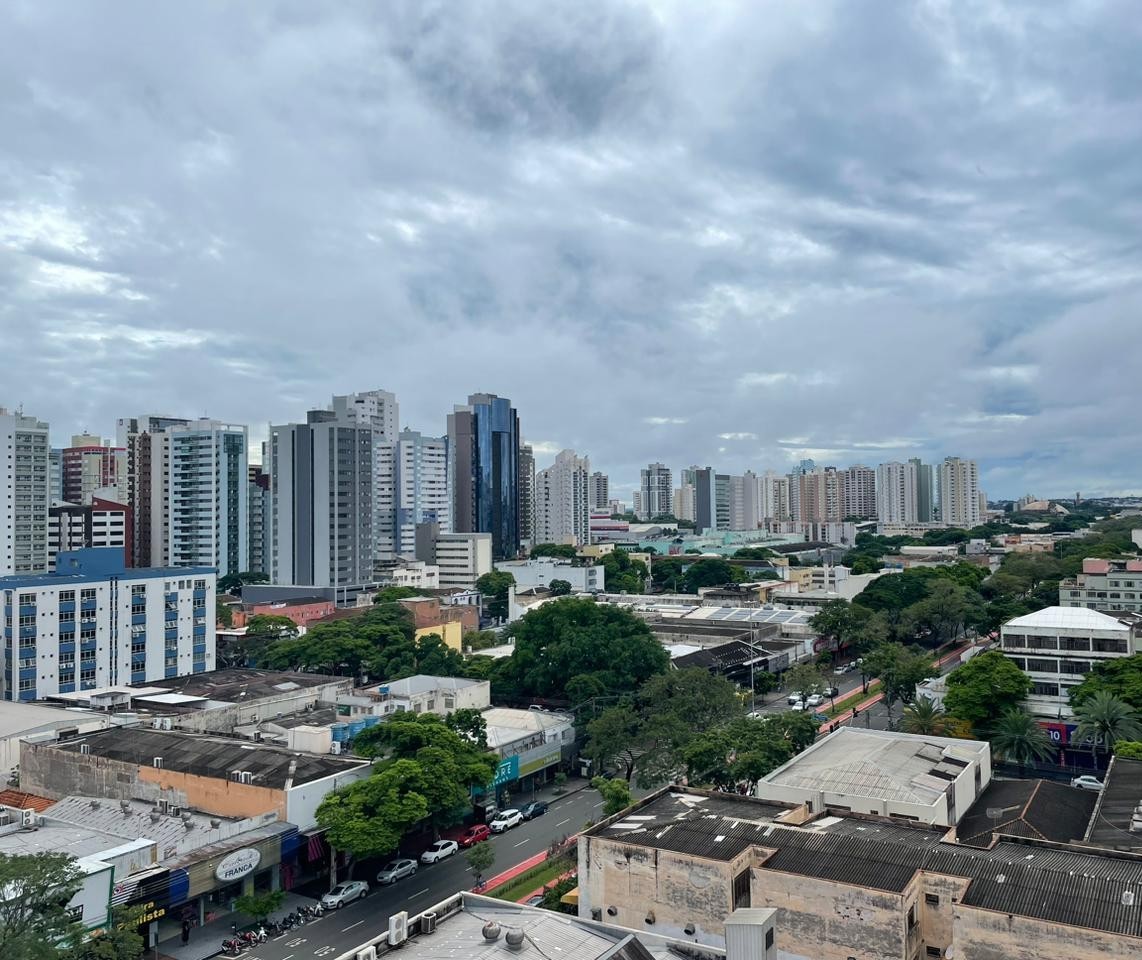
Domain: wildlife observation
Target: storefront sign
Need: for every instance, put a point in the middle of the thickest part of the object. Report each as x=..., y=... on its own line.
x=507, y=771
x=150, y=911
x=238, y=864
x=545, y=759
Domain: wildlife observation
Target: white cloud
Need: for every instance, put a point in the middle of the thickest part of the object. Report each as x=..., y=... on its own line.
x=665, y=421
x=737, y=436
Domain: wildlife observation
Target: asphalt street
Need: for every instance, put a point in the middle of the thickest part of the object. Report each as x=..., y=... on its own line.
x=340, y=930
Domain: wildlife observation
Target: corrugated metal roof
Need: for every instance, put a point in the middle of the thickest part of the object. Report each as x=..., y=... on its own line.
x=1068, y=618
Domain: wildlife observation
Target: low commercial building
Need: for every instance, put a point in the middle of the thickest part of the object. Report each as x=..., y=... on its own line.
x=1116, y=823
x=19, y=721
x=449, y=621
x=214, y=775
x=531, y=743
x=845, y=885
x=539, y=572
x=1109, y=586
x=93, y=622
x=425, y=694
x=1057, y=646
x=1038, y=809
x=876, y=772
x=301, y=610
x=217, y=701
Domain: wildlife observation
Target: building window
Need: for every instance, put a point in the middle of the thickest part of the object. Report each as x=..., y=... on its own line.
x=27, y=599
x=933, y=952
x=67, y=596
x=88, y=593
x=741, y=889
x=932, y=899
x=87, y=632
x=911, y=916
x=67, y=616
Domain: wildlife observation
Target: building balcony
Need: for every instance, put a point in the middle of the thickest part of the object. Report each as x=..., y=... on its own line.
x=199, y=649
x=27, y=653
x=68, y=687
x=138, y=619
x=27, y=633
x=171, y=633
x=138, y=676
x=87, y=604
x=199, y=594
x=66, y=648
x=27, y=609
x=27, y=673
x=67, y=606
x=87, y=646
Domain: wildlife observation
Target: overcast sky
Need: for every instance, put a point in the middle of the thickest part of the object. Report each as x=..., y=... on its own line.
x=736, y=234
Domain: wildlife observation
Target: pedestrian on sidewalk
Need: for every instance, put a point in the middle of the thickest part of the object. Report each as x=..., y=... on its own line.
x=185, y=932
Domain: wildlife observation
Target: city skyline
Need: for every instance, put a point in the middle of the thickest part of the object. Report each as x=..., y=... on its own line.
x=748, y=260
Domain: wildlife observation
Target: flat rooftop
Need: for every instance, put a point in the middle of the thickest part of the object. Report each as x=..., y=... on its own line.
x=24, y=718
x=423, y=683
x=880, y=764
x=210, y=756
x=240, y=685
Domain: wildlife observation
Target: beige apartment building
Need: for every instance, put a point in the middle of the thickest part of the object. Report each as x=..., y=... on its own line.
x=1104, y=585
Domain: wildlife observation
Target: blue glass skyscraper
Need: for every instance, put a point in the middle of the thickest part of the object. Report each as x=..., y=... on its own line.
x=484, y=439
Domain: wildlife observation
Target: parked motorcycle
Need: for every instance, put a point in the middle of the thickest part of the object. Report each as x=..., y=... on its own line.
x=232, y=945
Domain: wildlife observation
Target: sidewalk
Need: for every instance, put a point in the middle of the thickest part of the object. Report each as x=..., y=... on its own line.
x=206, y=941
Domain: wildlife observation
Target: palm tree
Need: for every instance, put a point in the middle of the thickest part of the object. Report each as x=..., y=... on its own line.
x=924, y=717
x=1105, y=715
x=1017, y=737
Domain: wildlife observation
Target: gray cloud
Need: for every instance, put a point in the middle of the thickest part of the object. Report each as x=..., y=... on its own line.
x=737, y=234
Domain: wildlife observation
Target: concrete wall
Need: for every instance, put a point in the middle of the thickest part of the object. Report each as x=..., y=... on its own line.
x=303, y=800
x=988, y=935
x=832, y=921
x=678, y=888
x=59, y=773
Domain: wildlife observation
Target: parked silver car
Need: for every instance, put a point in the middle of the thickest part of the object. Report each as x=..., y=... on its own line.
x=396, y=870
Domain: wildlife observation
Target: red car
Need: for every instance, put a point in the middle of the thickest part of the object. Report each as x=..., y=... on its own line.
x=474, y=835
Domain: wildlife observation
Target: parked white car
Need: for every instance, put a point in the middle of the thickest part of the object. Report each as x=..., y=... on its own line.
x=1087, y=782
x=795, y=697
x=815, y=700
x=345, y=893
x=439, y=850
x=798, y=706
x=505, y=820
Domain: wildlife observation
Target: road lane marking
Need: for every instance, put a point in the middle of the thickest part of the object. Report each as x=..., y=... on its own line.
x=561, y=822
x=351, y=926
x=522, y=842
x=420, y=894
x=290, y=957
x=599, y=804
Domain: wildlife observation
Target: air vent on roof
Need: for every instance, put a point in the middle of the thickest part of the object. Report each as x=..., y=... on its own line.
x=215, y=824
x=85, y=748
x=245, y=777
x=1128, y=898
x=157, y=762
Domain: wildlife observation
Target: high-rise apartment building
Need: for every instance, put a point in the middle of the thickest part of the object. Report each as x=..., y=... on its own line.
x=374, y=408
x=926, y=491
x=684, y=502
x=148, y=494
x=423, y=494
x=858, y=492
x=896, y=493
x=91, y=464
x=323, y=493
x=462, y=558
x=55, y=475
x=258, y=508
x=95, y=623
x=712, y=500
x=657, y=489
x=527, y=504
x=773, y=496
x=24, y=501
x=562, y=512
x=484, y=441
x=959, y=493
x=208, y=496
x=599, y=491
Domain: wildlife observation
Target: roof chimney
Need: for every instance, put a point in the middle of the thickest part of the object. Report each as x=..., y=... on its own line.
x=750, y=934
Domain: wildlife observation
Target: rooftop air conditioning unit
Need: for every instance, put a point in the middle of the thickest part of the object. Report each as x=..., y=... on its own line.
x=28, y=818
x=335, y=747
x=369, y=953
x=398, y=928
x=246, y=777
x=428, y=922
x=157, y=763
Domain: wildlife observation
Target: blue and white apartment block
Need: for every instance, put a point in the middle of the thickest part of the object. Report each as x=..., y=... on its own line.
x=95, y=623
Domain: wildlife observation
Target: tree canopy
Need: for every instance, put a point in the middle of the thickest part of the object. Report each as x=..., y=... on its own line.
x=745, y=749
x=34, y=894
x=980, y=690
x=562, y=551
x=622, y=573
x=559, y=588
x=560, y=642
x=1121, y=676
x=234, y=582
x=494, y=587
x=899, y=669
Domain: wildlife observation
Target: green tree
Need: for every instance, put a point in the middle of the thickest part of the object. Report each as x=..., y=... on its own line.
x=480, y=857
x=469, y=723
x=981, y=689
x=119, y=940
x=234, y=582
x=924, y=716
x=393, y=594
x=558, y=642
x=450, y=764
x=34, y=894
x=899, y=669
x=494, y=588
x=623, y=574
x=369, y=817
x=710, y=572
x=475, y=640
x=258, y=906
x=1128, y=749
x=943, y=613
x=747, y=748
x=863, y=564
x=223, y=613
x=615, y=794
x=612, y=737
x=562, y=551
x=263, y=631
x=805, y=678
x=1104, y=716
x=1016, y=737
x=559, y=588
x=840, y=621
x=1121, y=676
